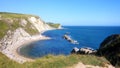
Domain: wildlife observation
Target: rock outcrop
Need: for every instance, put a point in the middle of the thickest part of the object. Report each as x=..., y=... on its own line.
x=75, y=50
x=39, y=24
x=110, y=48
x=12, y=37
x=86, y=51
x=68, y=38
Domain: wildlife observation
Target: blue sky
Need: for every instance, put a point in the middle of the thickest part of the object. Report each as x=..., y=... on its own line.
x=68, y=12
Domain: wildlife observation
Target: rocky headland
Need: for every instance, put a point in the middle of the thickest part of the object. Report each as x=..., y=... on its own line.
x=110, y=49
x=17, y=30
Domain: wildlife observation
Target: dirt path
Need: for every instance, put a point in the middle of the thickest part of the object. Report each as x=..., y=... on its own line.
x=81, y=65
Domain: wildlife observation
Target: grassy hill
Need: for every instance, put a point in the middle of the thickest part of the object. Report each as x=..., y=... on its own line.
x=53, y=61
x=15, y=15
x=55, y=25
x=11, y=21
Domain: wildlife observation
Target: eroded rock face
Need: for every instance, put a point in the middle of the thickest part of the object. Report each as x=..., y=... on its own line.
x=12, y=37
x=11, y=40
x=38, y=24
x=110, y=48
x=59, y=27
x=19, y=34
x=23, y=22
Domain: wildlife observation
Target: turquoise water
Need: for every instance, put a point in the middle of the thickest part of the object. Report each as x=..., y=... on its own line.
x=87, y=36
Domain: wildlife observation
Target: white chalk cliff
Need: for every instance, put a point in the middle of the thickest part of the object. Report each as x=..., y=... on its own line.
x=14, y=37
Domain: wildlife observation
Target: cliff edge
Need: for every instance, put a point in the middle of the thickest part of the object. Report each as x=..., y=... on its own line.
x=16, y=29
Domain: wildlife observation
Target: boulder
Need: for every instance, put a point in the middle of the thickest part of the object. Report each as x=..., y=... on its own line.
x=110, y=48
x=75, y=50
x=68, y=38
x=86, y=50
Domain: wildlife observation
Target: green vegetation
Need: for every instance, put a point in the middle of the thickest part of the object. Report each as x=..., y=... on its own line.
x=11, y=21
x=14, y=25
x=7, y=63
x=15, y=15
x=55, y=25
x=28, y=28
x=51, y=61
x=3, y=28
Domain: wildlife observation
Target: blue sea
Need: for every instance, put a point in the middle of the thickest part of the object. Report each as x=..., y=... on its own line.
x=87, y=36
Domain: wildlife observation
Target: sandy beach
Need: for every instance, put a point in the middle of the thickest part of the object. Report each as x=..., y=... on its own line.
x=12, y=50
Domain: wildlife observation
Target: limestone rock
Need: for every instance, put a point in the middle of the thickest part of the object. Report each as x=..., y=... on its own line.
x=19, y=29
x=38, y=24
x=23, y=22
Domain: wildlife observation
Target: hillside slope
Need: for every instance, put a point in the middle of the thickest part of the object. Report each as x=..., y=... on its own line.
x=16, y=29
x=110, y=48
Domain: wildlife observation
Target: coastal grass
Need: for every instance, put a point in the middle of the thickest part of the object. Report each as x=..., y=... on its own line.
x=11, y=21
x=51, y=61
x=28, y=28
x=7, y=63
x=3, y=28
x=15, y=15
x=55, y=25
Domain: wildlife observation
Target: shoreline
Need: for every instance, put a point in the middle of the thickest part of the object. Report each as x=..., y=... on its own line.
x=42, y=37
x=12, y=50
x=33, y=38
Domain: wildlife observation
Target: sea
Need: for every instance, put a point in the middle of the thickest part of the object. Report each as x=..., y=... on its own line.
x=86, y=36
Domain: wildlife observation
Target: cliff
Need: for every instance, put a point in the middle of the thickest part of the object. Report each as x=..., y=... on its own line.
x=55, y=25
x=15, y=29
x=110, y=48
